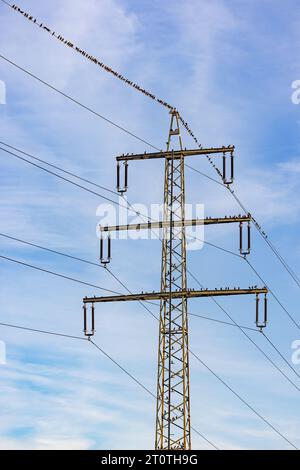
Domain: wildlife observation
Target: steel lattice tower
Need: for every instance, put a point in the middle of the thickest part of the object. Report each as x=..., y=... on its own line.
x=173, y=388
x=173, y=426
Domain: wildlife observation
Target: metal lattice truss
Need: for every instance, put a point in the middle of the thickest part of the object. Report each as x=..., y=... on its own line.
x=173, y=427
x=173, y=398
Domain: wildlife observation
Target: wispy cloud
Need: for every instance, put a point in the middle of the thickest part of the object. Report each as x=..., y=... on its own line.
x=213, y=59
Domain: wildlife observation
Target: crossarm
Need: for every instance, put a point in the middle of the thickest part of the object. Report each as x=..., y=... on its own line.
x=176, y=223
x=176, y=153
x=176, y=295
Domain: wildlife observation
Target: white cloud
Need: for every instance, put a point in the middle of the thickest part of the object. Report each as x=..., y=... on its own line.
x=86, y=398
x=292, y=166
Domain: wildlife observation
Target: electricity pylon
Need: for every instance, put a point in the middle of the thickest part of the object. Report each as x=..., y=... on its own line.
x=173, y=417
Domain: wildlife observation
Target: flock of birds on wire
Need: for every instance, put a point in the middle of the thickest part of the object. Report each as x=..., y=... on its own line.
x=128, y=82
x=105, y=67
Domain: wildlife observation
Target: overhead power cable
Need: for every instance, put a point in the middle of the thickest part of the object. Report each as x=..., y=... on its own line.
x=240, y=398
x=47, y=332
x=145, y=388
x=273, y=294
x=281, y=355
x=89, y=57
x=250, y=339
x=244, y=401
x=56, y=252
x=257, y=226
x=153, y=97
x=59, y=168
x=59, y=176
x=78, y=103
x=267, y=240
x=47, y=271
x=132, y=377
x=129, y=206
x=232, y=192
x=233, y=322
x=223, y=322
x=76, y=258
x=25, y=14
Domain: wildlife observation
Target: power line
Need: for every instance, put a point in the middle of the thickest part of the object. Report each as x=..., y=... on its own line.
x=137, y=381
x=165, y=104
x=76, y=280
x=52, y=333
x=273, y=294
x=283, y=262
x=142, y=303
x=76, y=258
x=144, y=387
x=52, y=273
x=122, y=368
x=266, y=239
x=221, y=248
x=223, y=322
x=249, y=338
x=244, y=401
x=274, y=250
x=130, y=292
x=47, y=332
x=4, y=149
x=90, y=57
x=234, y=323
x=79, y=103
x=57, y=274
x=281, y=355
x=105, y=67
x=59, y=168
x=59, y=176
x=256, y=225
x=205, y=175
x=152, y=314
x=128, y=207
x=259, y=276
x=236, y=394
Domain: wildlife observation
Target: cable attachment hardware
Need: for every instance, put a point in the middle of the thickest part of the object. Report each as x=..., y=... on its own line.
x=261, y=324
x=174, y=131
x=224, y=176
x=89, y=326
x=105, y=258
x=243, y=250
x=123, y=189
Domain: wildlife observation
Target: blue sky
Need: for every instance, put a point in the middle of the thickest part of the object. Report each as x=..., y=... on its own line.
x=228, y=66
